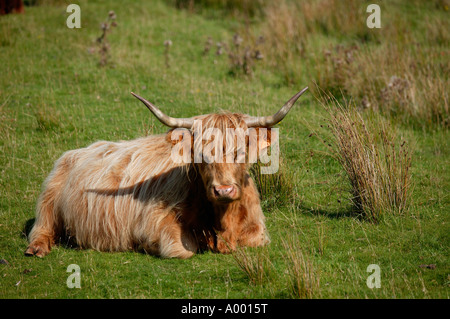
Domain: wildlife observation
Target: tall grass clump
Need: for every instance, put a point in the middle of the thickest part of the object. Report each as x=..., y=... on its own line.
x=376, y=162
x=303, y=278
x=255, y=263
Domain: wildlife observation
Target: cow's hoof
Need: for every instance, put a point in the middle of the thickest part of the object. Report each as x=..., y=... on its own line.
x=34, y=250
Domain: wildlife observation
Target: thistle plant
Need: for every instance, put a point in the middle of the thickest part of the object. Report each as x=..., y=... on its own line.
x=102, y=40
x=241, y=57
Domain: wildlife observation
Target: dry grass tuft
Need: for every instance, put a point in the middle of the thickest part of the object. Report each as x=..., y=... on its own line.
x=255, y=263
x=376, y=162
x=303, y=278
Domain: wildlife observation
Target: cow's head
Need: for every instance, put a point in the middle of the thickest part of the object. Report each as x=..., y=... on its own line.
x=215, y=143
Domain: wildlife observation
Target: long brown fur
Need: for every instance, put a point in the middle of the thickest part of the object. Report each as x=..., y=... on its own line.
x=130, y=195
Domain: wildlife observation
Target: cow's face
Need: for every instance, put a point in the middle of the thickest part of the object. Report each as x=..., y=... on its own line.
x=217, y=135
x=225, y=148
x=223, y=181
x=219, y=148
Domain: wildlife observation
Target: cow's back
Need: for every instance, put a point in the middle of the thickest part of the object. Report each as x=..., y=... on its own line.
x=115, y=194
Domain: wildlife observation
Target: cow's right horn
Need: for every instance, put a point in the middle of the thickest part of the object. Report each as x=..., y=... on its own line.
x=165, y=119
x=268, y=121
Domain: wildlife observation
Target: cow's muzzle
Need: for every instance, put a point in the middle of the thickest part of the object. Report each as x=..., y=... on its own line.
x=225, y=193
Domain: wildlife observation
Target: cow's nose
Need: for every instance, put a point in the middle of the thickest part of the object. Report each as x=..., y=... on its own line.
x=223, y=190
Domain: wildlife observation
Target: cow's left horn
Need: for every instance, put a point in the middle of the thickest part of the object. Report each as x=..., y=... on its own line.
x=268, y=121
x=165, y=119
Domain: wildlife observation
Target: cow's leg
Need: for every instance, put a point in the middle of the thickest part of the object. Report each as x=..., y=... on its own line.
x=226, y=241
x=228, y=223
x=253, y=232
x=171, y=245
x=48, y=224
x=253, y=235
x=46, y=227
x=171, y=240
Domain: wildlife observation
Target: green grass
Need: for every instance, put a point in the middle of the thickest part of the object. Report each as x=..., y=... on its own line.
x=54, y=97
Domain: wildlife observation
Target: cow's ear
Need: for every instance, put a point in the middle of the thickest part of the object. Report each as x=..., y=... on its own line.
x=264, y=137
x=177, y=135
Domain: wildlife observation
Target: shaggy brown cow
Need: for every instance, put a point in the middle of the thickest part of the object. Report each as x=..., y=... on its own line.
x=133, y=195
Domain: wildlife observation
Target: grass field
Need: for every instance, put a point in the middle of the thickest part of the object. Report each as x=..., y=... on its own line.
x=54, y=96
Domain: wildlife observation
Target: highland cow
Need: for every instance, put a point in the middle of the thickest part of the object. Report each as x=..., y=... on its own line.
x=132, y=195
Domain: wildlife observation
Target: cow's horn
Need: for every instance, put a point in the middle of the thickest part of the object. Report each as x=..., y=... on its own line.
x=268, y=121
x=165, y=119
